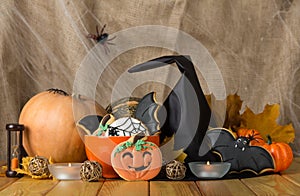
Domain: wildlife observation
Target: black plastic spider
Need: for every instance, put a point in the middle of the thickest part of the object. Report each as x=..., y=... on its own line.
x=102, y=38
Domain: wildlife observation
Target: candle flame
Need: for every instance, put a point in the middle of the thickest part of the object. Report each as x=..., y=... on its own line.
x=207, y=163
x=69, y=165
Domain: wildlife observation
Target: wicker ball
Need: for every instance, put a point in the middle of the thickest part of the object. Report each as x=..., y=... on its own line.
x=91, y=171
x=175, y=170
x=38, y=166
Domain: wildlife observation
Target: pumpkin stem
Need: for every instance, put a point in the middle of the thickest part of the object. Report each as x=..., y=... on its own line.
x=138, y=141
x=269, y=139
x=58, y=91
x=137, y=137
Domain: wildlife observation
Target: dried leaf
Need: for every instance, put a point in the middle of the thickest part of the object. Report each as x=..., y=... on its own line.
x=181, y=157
x=233, y=117
x=265, y=123
x=25, y=169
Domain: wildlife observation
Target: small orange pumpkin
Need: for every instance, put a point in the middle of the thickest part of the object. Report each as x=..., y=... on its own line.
x=253, y=135
x=281, y=152
x=50, y=125
x=136, y=159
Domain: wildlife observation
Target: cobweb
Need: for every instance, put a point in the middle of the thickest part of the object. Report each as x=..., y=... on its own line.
x=129, y=127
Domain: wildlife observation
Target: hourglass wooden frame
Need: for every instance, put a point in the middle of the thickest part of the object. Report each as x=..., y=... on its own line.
x=14, y=128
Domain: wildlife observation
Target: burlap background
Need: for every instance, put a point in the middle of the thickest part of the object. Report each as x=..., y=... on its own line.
x=254, y=43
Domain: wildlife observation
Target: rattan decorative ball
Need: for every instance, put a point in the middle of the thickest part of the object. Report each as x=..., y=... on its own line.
x=38, y=166
x=90, y=171
x=175, y=170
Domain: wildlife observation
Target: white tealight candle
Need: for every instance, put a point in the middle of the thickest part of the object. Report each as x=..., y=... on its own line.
x=65, y=171
x=209, y=170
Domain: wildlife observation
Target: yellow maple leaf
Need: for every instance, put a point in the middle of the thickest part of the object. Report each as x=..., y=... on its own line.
x=266, y=124
x=233, y=117
x=25, y=169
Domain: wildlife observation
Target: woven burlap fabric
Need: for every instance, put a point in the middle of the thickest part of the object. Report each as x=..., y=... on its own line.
x=254, y=43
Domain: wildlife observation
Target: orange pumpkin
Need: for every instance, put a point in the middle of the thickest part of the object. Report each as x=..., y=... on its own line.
x=253, y=135
x=136, y=159
x=282, y=154
x=50, y=125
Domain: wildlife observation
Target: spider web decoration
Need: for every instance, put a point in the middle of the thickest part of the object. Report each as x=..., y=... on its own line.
x=126, y=126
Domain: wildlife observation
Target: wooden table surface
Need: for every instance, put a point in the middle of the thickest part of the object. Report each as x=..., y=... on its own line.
x=286, y=183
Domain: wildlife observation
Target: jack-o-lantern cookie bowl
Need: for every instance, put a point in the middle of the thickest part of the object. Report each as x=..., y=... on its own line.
x=99, y=148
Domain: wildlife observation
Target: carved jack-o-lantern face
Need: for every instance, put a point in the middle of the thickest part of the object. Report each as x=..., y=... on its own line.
x=136, y=161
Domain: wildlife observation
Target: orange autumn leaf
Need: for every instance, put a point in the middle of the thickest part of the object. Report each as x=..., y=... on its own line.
x=266, y=124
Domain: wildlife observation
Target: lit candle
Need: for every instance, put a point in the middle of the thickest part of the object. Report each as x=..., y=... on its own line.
x=209, y=170
x=65, y=171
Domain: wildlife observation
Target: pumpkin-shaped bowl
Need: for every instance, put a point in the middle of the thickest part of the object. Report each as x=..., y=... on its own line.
x=99, y=148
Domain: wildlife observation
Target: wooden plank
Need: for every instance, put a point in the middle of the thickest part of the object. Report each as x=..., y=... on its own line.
x=294, y=168
x=223, y=187
x=5, y=182
x=76, y=187
x=294, y=178
x=29, y=186
x=271, y=185
x=173, y=188
x=122, y=187
x=293, y=172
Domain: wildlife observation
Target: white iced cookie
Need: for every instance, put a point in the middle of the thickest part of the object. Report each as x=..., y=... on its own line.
x=126, y=126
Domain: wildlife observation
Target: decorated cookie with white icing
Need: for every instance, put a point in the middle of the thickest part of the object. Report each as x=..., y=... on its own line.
x=126, y=126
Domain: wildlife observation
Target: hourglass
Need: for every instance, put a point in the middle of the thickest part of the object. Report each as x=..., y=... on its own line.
x=15, y=149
